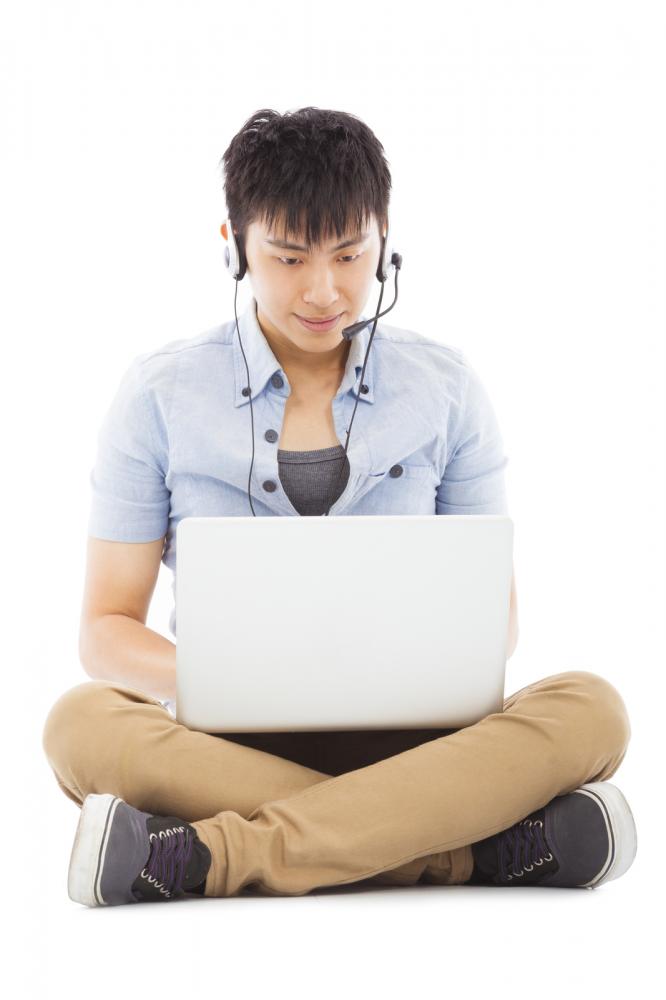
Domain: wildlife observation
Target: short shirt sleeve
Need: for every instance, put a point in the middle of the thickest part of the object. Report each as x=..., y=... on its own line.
x=474, y=480
x=130, y=501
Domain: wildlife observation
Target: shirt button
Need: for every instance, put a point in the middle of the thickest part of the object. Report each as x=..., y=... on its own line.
x=277, y=381
x=395, y=471
x=364, y=389
x=271, y=436
x=246, y=390
x=269, y=486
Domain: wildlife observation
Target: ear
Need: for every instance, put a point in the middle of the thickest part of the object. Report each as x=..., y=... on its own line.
x=223, y=230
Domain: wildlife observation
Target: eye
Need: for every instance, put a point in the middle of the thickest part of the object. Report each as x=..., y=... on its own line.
x=290, y=261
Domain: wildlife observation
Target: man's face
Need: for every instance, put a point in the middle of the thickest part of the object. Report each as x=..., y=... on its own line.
x=314, y=283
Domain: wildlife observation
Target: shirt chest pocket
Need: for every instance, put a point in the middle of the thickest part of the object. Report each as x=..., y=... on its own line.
x=402, y=488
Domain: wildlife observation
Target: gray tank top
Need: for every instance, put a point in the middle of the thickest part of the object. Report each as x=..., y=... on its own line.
x=308, y=477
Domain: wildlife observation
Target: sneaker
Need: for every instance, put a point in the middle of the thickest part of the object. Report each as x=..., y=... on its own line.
x=124, y=855
x=579, y=840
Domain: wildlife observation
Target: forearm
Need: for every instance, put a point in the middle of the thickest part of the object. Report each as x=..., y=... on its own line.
x=119, y=648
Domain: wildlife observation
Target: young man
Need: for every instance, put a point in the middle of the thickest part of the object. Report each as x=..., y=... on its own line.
x=519, y=798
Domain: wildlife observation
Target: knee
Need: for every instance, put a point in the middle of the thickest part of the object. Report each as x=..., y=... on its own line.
x=606, y=714
x=76, y=707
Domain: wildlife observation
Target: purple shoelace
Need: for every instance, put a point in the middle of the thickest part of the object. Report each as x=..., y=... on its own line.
x=525, y=846
x=170, y=851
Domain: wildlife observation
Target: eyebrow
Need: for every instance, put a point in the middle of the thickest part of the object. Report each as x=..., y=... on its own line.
x=358, y=238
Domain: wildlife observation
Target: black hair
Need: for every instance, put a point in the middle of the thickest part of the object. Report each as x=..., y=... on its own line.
x=314, y=172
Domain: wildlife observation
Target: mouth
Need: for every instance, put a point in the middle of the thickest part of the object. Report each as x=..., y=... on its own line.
x=318, y=324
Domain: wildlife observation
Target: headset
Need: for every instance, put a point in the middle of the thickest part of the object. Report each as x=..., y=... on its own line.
x=235, y=263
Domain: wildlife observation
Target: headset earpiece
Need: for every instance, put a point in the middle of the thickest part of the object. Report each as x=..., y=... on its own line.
x=234, y=254
x=386, y=257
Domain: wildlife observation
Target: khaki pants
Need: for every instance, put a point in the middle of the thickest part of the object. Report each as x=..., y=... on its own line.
x=284, y=813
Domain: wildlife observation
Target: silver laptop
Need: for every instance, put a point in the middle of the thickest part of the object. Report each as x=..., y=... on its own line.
x=355, y=622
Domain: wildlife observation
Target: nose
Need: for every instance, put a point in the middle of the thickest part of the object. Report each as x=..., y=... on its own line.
x=321, y=292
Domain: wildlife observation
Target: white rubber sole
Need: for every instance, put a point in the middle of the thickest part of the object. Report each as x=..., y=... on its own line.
x=87, y=860
x=622, y=836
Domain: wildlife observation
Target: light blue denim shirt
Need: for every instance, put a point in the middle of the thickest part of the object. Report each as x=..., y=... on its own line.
x=176, y=440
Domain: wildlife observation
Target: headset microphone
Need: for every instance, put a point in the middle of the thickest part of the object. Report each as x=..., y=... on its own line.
x=351, y=331
x=236, y=265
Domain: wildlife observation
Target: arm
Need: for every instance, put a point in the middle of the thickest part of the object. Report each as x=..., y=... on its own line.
x=474, y=475
x=114, y=642
x=121, y=649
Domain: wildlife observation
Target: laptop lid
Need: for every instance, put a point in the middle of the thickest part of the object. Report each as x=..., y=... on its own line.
x=355, y=622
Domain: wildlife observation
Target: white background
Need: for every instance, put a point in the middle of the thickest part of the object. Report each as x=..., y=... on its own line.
x=527, y=147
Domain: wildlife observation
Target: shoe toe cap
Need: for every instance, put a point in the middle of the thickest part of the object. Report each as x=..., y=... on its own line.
x=579, y=834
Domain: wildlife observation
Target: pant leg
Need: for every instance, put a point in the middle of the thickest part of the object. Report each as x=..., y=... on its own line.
x=105, y=737
x=433, y=800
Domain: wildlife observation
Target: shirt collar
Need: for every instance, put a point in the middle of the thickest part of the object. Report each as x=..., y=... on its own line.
x=263, y=364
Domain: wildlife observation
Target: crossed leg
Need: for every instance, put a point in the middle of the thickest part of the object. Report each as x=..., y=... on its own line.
x=286, y=828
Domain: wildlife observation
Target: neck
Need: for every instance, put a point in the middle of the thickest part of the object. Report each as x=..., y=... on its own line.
x=305, y=366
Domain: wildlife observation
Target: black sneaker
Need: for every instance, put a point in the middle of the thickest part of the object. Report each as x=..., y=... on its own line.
x=124, y=855
x=578, y=840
